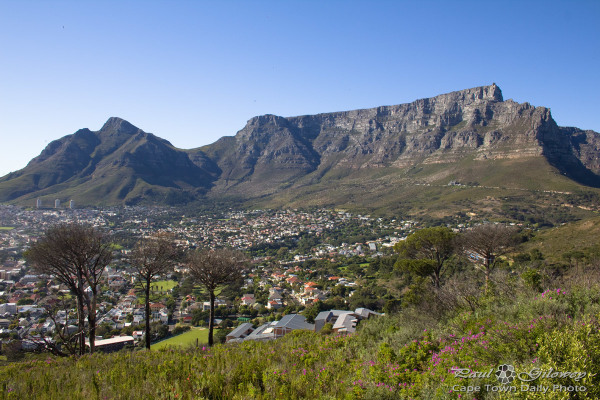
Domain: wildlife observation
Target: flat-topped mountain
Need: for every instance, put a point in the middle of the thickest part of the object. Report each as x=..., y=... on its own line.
x=369, y=158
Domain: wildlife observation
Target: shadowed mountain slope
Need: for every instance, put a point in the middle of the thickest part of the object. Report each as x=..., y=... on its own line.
x=117, y=164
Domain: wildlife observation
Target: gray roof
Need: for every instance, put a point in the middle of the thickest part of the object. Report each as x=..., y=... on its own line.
x=327, y=315
x=346, y=323
x=258, y=334
x=294, y=321
x=240, y=330
x=365, y=312
x=323, y=315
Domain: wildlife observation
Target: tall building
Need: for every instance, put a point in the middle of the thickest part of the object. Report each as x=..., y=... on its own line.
x=38, y=203
x=72, y=204
x=56, y=203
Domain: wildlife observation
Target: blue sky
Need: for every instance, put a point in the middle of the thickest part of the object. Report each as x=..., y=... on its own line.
x=193, y=71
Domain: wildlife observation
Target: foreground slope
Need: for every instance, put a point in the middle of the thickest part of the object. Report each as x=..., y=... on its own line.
x=410, y=355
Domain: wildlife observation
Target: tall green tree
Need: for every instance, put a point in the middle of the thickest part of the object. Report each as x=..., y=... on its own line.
x=426, y=252
x=214, y=269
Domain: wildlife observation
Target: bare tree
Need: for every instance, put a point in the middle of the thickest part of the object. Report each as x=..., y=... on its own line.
x=213, y=269
x=152, y=257
x=93, y=252
x=76, y=255
x=483, y=244
x=48, y=256
x=65, y=342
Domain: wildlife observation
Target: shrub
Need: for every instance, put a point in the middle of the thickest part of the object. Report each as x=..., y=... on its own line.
x=180, y=329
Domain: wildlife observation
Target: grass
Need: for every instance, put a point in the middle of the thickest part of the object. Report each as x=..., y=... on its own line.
x=155, y=290
x=392, y=357
x=166, y=285
x=579, y=235
x=200, y=290
x=184, y=340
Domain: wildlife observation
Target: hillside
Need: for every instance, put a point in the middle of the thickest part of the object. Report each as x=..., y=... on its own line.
x=573, y=238
x=391, y=158
x=412, y=354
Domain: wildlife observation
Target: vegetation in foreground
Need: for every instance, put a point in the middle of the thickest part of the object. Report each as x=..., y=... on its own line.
x=410, y=354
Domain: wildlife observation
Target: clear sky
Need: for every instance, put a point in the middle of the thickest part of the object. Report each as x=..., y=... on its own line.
x=193, y=71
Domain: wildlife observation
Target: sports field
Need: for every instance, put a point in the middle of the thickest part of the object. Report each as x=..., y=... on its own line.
x=162, y=285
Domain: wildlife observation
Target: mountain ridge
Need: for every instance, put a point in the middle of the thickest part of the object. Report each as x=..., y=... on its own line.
x=274, y=158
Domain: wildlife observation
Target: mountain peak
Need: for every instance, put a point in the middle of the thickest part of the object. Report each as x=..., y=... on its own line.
x=119, y=125
x=493, y=92
x=490, y=92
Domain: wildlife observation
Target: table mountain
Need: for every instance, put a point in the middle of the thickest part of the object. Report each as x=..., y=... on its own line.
x=377, y=157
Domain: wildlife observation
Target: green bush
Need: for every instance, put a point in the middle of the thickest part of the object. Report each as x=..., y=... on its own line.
x=180, y=329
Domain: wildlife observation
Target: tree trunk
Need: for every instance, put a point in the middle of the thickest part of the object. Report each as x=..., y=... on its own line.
x=81, y=301
x=80, y=323
x=147, y=310
x=92, y=321
x=487, y=279
x=436, y=278
x=211, y=318
x=488, y=264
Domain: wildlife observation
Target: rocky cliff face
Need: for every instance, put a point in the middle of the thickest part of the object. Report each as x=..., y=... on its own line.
x=275, y=151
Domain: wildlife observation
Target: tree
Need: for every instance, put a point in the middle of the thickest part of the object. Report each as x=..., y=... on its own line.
x=152, y=257
x=48, y=256
x=65, y=342
x=426, y=251
x=484, y=244
x=76, y=255
x=213, y=269
x=92, y=253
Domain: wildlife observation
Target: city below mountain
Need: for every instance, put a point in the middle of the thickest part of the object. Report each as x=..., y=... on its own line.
x=459, y=151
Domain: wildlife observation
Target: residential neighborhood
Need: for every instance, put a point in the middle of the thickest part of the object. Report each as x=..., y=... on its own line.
x=288, y=251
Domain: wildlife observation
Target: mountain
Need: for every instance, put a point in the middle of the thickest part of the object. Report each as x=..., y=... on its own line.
x=400, y=158
x=117, y=164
